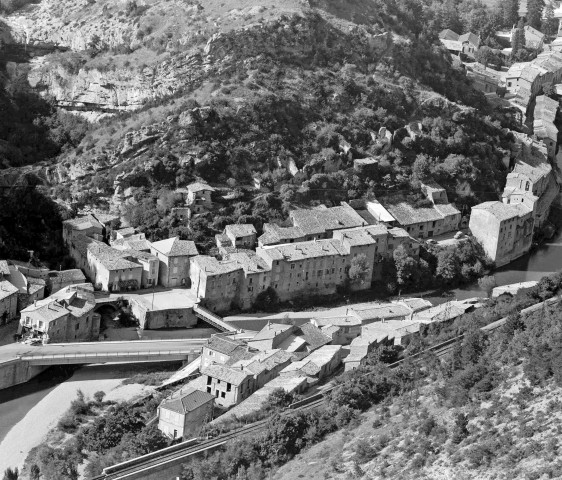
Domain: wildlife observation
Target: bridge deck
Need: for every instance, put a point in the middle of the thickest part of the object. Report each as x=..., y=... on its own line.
x=100, y=352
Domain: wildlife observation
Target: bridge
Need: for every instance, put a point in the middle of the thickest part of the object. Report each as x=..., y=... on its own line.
x=20, y=362
x=212, y=319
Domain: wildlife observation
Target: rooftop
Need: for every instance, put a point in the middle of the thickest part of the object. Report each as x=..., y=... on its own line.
x=236, y=376
x=199, y=187
x=224, y=344
x=72, y=275
x=270, y=331
x=212, y=266
x=361, y=235
x=7, y=289
x=68, y=301
x=318, y=221
x=448, y=35
x=240, y=230
x=174, y=247
x=532, y=172
x=274, y=234
x=502, y=211
x=312, y=335
x=406, y=214
x=187, y=402
x=303, y=250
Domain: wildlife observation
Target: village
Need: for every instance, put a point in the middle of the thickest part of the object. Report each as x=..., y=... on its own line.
x=317, y=252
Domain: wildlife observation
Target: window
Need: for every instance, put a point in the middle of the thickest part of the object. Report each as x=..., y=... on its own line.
x=251, y=281
x=319, y=273
x=292, y=266
x=217, y=393
x=228, y=387
x=208, y=380
x=223, y=395
x=327, y=271
x=77, y=326
x=527, y=186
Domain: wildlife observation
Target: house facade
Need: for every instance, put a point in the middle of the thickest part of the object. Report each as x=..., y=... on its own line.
x=184, y=414
x=505, y=231
x=174, y=261
x=228, y=385
x=66, y=316
x=8, y=301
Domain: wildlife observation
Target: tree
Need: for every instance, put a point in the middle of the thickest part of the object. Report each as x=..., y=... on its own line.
x=534, y=13
x=509, y=12
x=549, y=23
x=279, y=398
x=268, y=300
x=34, y=472
x=10, y=474
x=460, y=430
x=99, y=396
x=448, y=266
x=405, y=266
x=358, y=269
x=487, y=284
x=518, y=39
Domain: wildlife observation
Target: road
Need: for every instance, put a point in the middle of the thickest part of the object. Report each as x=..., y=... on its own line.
x=89, y=350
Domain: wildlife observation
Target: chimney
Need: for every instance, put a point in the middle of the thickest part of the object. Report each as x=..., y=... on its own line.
x=241, y=367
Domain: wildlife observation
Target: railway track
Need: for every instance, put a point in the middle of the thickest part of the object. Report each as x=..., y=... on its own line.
x=178, y=453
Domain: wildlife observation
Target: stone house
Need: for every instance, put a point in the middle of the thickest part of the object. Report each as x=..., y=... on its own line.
x=543, y=123
x=345, y=328
x=174, y=257
x=199, y=197
x=265, y=366
x=320, y=364
x=8, y=301
x=66, y=316
x=228, y=385
x=88, y=226
x=534, y=39
x=504, y=230
x=241, y=235
x=107, y=268
x=183, y=415
x=57, y=280
x=221, y=349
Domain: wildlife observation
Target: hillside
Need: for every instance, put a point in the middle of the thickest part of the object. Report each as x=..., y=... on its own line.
x=284, y=94
x=487, y=410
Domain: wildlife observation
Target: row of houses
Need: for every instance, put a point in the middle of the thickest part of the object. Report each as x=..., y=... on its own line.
x=311, y=257
x=22, y=284
x=65, y=316
x=239, y=375
x=130, y=261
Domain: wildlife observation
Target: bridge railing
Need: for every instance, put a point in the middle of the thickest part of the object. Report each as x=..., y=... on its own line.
x=90, y=356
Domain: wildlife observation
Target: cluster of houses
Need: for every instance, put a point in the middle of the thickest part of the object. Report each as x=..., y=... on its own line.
x=240, y=375
x=21, y=285
x=505, y=228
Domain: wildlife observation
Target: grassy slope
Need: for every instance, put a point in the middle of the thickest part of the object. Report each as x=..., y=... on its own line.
x=513, y=433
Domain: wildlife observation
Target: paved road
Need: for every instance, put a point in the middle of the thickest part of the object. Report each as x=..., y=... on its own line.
x=16, y=350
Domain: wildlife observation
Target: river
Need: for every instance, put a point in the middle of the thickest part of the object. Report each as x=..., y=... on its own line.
x=542, y=261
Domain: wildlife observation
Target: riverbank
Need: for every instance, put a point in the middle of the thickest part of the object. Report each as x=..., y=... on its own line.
x=34, y=427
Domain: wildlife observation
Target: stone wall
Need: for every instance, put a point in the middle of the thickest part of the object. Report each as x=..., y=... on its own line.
x=14, y=372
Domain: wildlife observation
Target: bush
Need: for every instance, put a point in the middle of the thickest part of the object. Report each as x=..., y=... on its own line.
x=68, y=423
